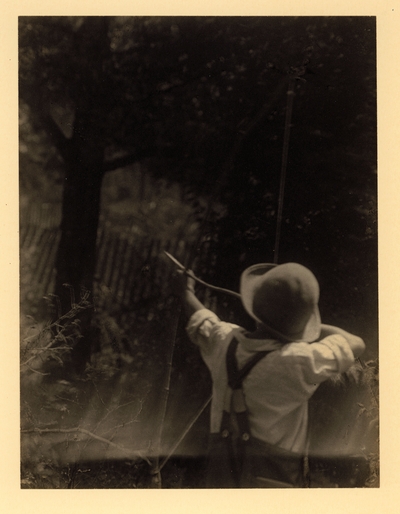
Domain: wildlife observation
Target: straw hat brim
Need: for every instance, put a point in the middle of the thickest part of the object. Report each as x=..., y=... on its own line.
x=250, y=281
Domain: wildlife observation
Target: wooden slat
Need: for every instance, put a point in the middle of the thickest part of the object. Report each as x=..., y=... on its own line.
x=133, y=276
x=130, y=253
x=134, y=268
x=123, y=269
x=24, y=231
x=114, y=264
x=142, y=280
x=110, y=250
x=102, y=255
x=30, y=238
x=48, y=249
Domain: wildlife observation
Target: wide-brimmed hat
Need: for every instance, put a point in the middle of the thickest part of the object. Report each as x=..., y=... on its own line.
x=284, y=298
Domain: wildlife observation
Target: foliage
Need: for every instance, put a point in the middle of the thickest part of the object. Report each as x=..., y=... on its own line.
x=329, y=209
x=201, y=101
x=344, y=418
x=52, y=341
x=104, y=419
x=136, y=204
x=171, y=82
x=97, y=430
x=198, y=102
x=59, y=415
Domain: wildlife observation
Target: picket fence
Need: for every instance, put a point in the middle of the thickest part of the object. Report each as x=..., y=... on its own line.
x=132, y=271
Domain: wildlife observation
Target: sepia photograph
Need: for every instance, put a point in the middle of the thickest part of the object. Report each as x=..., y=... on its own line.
x=198, y=250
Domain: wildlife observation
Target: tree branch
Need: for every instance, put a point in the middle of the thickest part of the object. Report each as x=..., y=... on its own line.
x=62, y=143
x=126, y=160
x=40, y=112
x=134, y=453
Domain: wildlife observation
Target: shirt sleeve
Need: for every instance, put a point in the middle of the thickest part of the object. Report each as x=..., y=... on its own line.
x=206, y=330
x=200, y=324
x=341, y=351
x=323, y=359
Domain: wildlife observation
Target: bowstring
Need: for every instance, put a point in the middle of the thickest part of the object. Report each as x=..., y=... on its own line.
x=295, y=74
x=285, y=154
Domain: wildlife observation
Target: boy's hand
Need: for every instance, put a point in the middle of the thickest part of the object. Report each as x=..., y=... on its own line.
x=183, y=287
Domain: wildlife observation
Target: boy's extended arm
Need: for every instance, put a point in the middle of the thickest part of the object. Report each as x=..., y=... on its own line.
x=356, y=344
x=190, y=302
x=184, y=289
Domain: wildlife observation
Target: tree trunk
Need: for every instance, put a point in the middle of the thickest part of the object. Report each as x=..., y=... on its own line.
x=76, y=256
x=84, y=161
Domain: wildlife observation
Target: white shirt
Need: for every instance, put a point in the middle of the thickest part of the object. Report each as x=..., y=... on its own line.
x=278, y=388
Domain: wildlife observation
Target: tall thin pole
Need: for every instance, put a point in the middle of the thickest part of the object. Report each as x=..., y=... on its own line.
x=156, y=481
x=285, y=153
x=156, y=472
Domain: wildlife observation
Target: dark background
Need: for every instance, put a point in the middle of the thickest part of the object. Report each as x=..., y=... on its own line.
x=167, y=133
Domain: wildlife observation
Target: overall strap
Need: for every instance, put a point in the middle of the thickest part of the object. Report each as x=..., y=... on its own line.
x=235, y=415
x=235, y=406
x=234, y=400
x=236, y=376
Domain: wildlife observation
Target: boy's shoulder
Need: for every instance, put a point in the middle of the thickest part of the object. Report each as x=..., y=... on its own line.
x=322, y=348
x=332, y=349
